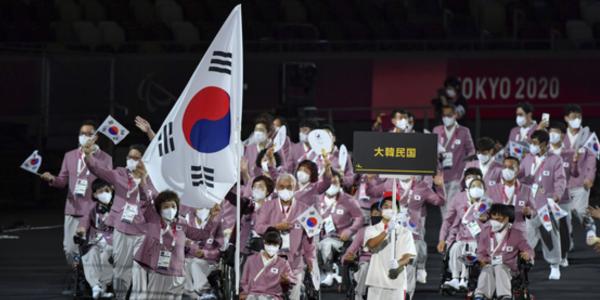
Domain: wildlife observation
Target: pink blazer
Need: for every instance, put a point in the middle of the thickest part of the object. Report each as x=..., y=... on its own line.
x=348, y=172
x=553, y=177
x=461, y=146
x=309, y=194
x=362, y=182
x=148, y=253
x=77, y=206
x=524, y=198
x=493, y=175
x=300, y=244
x=122, y=180
x=93, y=221
x=452, y=213
x=460, y=231
x=516, y=242
x=296, y=151
x=357, y=247
x=586, y=165
x=347, y=216
x=570, y=169
x=269, y=281
x=211, y=246
x=515, y=133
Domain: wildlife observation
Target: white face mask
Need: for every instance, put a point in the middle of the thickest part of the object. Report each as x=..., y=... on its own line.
x=131, y=165
x=554, y=137
x=508, y=174
x=468, y=182
x=483, y=158
x=169, y=213
x=285, y=195
x=451, y=93
x=258, y=195
x=203, y=214
x=448, y=121
x=303, y=138
x=521, y=121
x=83, y=139
x=276, y=128
x=402, y=124
x=302, y=176
x=332, y=190
x=265, y=166
x=575, y=123
x=259, y=136
x=409, y=127
x=105, y=197
x=271, y=250
x=496, y=226
x=387, y=214
x=534, y=149
x=476, y=192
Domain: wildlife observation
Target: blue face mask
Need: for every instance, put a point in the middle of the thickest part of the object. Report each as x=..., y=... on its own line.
x=375, y=220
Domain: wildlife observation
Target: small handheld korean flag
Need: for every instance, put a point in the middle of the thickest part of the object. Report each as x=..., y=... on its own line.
x=468, y=258
x=558, y=212
x=482, y=205
x=544, y=215
x=516, y=149
x=593, y=145
x=113, y=130
x=343, y=158
x=32, y=163
x=280, y=138
x=501, y=155
x=195, y=151
x=311, y=221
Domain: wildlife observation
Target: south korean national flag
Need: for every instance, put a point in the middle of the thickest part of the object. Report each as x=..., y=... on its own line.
x=113, y=130
x=195, y=151
x=32, y=163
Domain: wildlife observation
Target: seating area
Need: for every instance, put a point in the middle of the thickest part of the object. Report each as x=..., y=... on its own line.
x=187, y=25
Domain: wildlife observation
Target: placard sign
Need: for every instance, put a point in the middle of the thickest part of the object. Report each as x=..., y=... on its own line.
x=395, y=153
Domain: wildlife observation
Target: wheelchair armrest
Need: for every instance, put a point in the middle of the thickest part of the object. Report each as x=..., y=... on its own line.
x=79, y=240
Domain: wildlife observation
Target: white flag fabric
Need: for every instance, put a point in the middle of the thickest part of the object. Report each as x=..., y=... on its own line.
x=501, y=155
x=558, y=212
x=311, y=221
x=517, y=149
x=113, y=130
x=343, y=158
x=544, y=215
x=316, y=275
x=482, y=205
x=195, y=150
x=592, y=145
x=280, y=138
x=583, y=137
x=32, y=163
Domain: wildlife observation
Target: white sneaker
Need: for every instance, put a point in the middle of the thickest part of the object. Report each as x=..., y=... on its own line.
x=453, y=284
x=554, y=273
x=421, y=276
x=328, y=280
x=337, y=278
x=564, y=262
x=463, y=284
x=97, y=292
x=107, y=295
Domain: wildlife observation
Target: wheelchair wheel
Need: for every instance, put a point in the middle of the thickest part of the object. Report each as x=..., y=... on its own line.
x=228, y=283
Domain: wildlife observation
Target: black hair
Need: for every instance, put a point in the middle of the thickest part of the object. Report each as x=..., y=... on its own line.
x=504, y=211
x=374, y=206
x=283, y=122
x=98, y=184
x=310, y=123
x=453, y=82
x=262, y=154
x=265, y=119
x=166, y=196
x=513, y=158
x=451, y=106
x=485, y=143
x=328, y=127
x=139, y=147
x=572, y=108
x=272, y=236
x=410, y=114
x=398, y=111
x=541, y=136
x=526, y=106
x=473, y=171
x=268, y=182
x=314, y=169
x=89, y=123
x=480, y=180
x=559, y=126
x=335, y=173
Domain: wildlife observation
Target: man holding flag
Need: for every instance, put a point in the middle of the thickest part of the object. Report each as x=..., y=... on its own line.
x=76, y=175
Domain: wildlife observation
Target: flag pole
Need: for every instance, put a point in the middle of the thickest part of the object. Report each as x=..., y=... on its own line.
x=394, y=218
x=238, y=223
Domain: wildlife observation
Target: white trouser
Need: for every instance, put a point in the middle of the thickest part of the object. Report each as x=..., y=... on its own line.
x=422, y=247
x=565, y=228
x=71, y=250
x=459, y=270
x=361, y=278
x=452, y=188
x=580, y=199
x=551, y=242
x=326, y=248
x=196, y=276
x=260, y=297
x=411, y=273
x=495, y=278
x=98, y=271
x=126, y=269
x=376, y=293
x=295, y=292
x=164, y=287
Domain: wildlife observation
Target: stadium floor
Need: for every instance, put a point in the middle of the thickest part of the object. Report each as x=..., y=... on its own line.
x=33, y=266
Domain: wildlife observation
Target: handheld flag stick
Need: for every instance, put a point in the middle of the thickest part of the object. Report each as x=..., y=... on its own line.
x=238, y=217
x=394, y=191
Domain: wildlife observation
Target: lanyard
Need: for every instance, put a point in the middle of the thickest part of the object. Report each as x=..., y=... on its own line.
x=285, y=212
x=410, y=192
x=269, y=262
x=503, y=241
x=455, y=136
x=304, y=156
x=129, y=190
x=164, y=230
x=514, y=197
x=103, y=218
x=81, y=165
x=333, y=205
x=535, y=169
x=468, y=210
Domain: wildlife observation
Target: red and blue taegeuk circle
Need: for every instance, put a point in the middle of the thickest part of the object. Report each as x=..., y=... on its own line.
x=482, y=207
x=34, y=161
x=517, y=150
x=546, y=218
x=311, y=222
x=596, y=147
x=113, y=130
x=471, y=258
x=411, y=224
x=207, y=120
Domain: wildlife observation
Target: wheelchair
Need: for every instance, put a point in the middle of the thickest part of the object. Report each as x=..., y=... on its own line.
x=519, y=283
x=79, y=286
x=349, y=283
x=446, y=275
x=341, y=269
x=222, y=280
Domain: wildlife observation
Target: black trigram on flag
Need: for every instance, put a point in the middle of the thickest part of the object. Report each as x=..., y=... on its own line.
x=165, y=140
x=203, y=175
x=220, y=62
